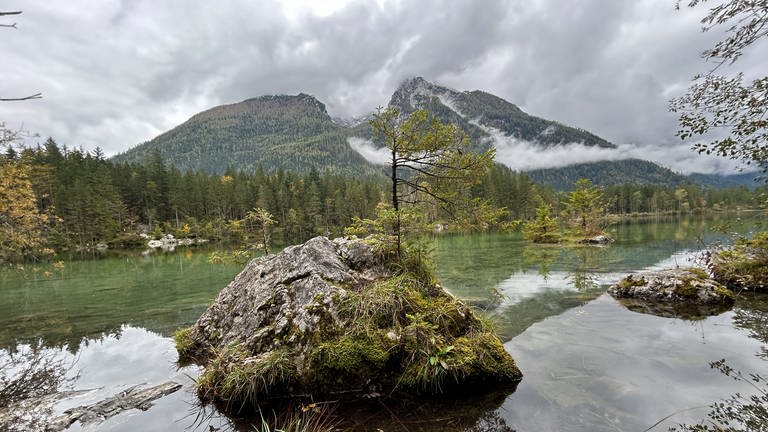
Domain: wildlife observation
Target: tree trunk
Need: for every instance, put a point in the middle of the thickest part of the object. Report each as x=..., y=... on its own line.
x=395, y=203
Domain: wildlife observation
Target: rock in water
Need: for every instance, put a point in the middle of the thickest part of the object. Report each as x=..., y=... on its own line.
x=683, y=292
x=333, y=317
x=598, y=240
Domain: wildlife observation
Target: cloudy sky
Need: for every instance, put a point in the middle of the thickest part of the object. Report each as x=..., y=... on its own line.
x=115, y=73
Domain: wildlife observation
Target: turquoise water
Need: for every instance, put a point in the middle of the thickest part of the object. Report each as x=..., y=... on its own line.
x=589, y=363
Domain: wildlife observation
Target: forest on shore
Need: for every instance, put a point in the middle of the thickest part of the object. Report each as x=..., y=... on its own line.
x=67, y=199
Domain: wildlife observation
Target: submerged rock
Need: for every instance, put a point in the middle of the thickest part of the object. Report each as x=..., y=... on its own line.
x=682, y=292
x=598, y=240
x=330, y=317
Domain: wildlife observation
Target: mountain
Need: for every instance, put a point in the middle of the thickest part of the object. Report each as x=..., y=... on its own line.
x=634, y=171
x=484, y=116
x=748, y=180
x=606, y=173
x=294, y=133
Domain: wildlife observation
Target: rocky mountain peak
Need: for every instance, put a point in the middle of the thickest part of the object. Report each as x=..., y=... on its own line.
x=414, y=93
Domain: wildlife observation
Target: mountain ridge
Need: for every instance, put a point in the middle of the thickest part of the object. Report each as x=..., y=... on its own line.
x=296, y=133
x=273, y=132
x=480, y=114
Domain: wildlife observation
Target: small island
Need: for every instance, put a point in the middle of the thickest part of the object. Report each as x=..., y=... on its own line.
x=688, y=293
x=331, y=318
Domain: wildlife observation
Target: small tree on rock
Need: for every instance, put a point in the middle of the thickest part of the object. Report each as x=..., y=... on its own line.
x=264, y=222
x=543, y=229
x=585, y=209
x=430, y=165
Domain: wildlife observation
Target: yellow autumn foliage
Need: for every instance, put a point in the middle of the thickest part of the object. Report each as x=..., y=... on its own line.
x=21, y=223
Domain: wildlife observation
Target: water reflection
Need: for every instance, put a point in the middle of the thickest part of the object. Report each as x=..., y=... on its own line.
x=686, y=311
x=103, y=367
x=589, y=364
x=94, y=299
x=597, y=368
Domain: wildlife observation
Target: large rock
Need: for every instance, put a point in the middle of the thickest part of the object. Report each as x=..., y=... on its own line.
x=682, y=292
x=744, y=265
x=330, y=317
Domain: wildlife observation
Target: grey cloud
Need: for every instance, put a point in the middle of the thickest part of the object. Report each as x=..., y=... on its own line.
x=119, y=72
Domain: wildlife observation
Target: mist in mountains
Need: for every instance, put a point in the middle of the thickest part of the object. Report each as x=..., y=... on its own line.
x=522, y=155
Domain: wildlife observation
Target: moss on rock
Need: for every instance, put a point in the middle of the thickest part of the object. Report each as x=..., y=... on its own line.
x=183, y=341
x=684, y=292
x=353, y=329
x=686, y=288
x=745, y=265
x=629, y=281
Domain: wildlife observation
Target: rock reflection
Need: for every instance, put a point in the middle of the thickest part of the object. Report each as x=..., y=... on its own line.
x=684, y=311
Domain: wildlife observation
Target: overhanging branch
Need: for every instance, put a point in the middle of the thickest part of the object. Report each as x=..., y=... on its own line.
x=34, y=96
x=9, y=13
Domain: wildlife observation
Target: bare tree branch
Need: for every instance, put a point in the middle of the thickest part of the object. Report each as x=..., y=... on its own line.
x=9, y=13
x=34, y=96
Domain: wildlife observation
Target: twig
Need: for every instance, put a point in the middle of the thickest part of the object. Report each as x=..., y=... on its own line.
x=674, y=414
x=9, y=13
x=34, y=96
x=396, y=418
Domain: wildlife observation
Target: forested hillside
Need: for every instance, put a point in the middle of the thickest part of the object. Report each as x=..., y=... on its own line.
x=292, y=133
x=606, y=173
x=636, y=172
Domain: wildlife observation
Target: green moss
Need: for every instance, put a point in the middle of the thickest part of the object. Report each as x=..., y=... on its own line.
x=353, y=355
x=629, y=282
x=238, y=379
x=701, y=274
x=687, y=288
x=184, y=344
x=479, y=358
x=745, y=265
x=448, y=315
x=420, y=334
x=491, y=360
x=724, y=292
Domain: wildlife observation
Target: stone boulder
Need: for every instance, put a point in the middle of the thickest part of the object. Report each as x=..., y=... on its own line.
x=598, y=240
x=335, y=318
x=744, y=265
x=683, y=292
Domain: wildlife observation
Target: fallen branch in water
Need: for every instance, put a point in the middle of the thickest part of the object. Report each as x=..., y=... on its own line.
x=132, y=398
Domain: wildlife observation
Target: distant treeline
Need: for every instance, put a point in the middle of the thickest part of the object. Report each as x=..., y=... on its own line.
x=88, y=199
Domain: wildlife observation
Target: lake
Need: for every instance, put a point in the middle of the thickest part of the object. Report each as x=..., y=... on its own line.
x=589, y=363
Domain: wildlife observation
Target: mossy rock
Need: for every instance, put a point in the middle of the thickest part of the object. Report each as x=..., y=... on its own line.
x=329, y=318
x=744, y=266
x=686, y=293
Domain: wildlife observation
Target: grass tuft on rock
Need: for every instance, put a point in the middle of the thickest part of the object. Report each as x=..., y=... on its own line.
x=238, y=379
x=400, y=332
x=745, y=265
